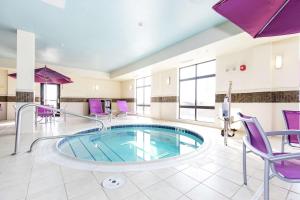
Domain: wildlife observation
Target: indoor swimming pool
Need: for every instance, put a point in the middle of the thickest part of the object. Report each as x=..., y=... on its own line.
x=130, y=143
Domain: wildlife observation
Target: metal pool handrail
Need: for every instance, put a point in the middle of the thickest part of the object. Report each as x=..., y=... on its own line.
x=19, y=118
x=55, y=137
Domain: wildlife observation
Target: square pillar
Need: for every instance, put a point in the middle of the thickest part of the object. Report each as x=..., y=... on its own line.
x=25, y=77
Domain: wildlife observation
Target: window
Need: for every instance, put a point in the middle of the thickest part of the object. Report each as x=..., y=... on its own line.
x=50, y=95
x=143, y=95
x=197, y=85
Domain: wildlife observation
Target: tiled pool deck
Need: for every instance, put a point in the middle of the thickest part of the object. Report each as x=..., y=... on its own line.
x=216, y=176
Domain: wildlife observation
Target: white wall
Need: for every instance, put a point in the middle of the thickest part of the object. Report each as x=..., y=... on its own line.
x=160, y=88
x=83, y=87
x=128, y=91
x=3, y=92
x=257, y=77
x=261, y=76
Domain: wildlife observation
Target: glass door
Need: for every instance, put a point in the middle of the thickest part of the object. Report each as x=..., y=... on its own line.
x=50, y=95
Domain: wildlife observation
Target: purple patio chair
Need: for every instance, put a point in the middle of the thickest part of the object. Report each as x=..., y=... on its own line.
x=285, y=166
x=45, y=113
x=95, y=106
x=292, y=122
x=123, y=107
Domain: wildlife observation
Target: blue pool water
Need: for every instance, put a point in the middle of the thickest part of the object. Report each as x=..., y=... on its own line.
x=131, y=143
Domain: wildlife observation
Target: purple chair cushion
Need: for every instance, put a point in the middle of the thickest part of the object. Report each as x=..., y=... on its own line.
x=44, y=112
x=122, y=105
x=292, y=119
x=256, y=139
x=293, y=139
x=288, y=168
x=95, y=106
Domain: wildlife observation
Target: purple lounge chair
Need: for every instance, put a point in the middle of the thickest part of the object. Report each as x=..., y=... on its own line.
x=285, y=166
x=96, y=109
x=292, y=121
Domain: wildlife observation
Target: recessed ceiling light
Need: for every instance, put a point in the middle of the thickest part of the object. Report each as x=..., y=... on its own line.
x=57, y=3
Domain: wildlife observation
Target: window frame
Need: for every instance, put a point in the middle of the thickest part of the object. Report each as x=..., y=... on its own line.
x=143, y=87
x=195, y=78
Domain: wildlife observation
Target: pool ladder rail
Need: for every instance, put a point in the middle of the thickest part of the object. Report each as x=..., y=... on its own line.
x=19, y=118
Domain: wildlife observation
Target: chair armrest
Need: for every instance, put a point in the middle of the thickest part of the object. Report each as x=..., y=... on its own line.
x=285, y=132
x=287, y=156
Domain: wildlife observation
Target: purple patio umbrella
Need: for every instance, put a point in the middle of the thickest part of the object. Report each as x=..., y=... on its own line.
x=47, y=75
x=262, y=18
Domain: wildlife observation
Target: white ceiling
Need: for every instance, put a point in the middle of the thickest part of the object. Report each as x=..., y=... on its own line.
x=102, y=35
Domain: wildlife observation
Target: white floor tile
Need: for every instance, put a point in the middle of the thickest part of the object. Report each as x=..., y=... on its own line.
x=295, y=188
x=145, y=179
x=162, y=191
x=222, y=186
x=42, y=184
x=184, y=198
x=182, y=167
x=231, y=175
x=293, y=196
x=248, y=191
x=164, y=173
x=212, y=167
x=137, y=196
x=43, y=173
x=81, y=186
x=53, y=193
x=204, y=192
x=182, y=182
x=280, y=183
x=14, y=192
x=197, y=173
x=277, y=193
x=97, y=194
x=74, y=174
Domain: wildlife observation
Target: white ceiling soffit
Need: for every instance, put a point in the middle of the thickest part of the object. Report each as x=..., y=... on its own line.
x=211, y=51
x=209, y=36
x=10, y=65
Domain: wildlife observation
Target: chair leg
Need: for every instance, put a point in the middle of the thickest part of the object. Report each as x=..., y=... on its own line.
x=282, y=144
x=35, y=119
x=245, y=164
x=266, y=180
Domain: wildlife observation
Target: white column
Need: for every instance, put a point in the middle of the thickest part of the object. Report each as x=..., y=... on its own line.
x=25, y=77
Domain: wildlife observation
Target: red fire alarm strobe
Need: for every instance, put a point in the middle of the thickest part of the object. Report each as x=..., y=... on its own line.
x=243, y=68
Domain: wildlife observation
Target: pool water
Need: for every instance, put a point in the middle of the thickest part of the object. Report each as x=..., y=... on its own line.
x=131, y=143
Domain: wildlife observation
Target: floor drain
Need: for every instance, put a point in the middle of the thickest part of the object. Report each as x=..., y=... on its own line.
x=113, y=182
